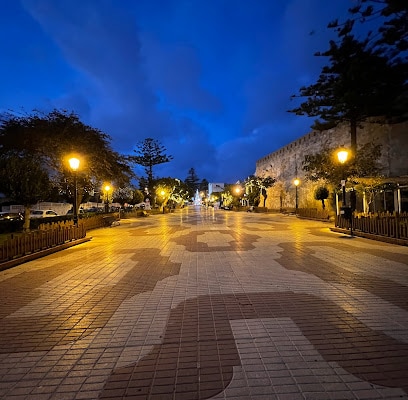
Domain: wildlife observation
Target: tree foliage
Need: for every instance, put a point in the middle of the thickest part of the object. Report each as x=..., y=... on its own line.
x=363, y=79
x=322, y=193
x=391, y=35
x=255, y=186
x=23, y=179
x=203, y=185
x=50, y=139
x=171, y=191
x=148, y=154
x=192, y=181
x=358, y=84
x=325, y=166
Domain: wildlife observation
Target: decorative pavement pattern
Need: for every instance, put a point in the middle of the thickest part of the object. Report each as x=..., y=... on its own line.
x=208, y=304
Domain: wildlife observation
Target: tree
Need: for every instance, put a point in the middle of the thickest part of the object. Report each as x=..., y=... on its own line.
x=325, y=167
x=23, y=180
x=256, y=186
x=171, y=190
x=392, y=32
x=192, y=181
x=138, y=197
x=148, y=154
x=359, y=83
x=203, y=187
x=322, y=193
x=123, y=195
x=51, y=138
x=388, y=37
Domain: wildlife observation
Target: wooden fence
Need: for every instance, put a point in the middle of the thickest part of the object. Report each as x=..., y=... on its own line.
x=50, y=235
x=389, y=225
x=313, y=213
x=27, y=243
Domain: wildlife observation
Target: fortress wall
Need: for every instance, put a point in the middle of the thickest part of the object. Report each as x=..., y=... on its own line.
x=286, y=163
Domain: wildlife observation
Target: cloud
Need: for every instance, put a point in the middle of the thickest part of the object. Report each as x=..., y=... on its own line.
x=210, y=80
x=175, y=71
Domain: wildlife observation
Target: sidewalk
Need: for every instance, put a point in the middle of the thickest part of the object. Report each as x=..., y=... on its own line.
x=204, y=304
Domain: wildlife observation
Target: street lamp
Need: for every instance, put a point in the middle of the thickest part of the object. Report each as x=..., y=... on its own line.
x=74, y=165
x=162, y=193
x=296, y=182
x=342, y=156
x=347, y=212
x=107, y=189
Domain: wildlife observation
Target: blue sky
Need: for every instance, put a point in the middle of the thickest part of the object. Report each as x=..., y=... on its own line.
x=210, y=79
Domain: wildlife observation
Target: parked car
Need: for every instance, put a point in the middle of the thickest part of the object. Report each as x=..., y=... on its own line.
x=8, y=216
x=80, y=211
x=93, y=210
x=43, y=213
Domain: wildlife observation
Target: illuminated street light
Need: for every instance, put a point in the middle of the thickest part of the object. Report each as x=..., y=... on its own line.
x=345, y=211
x=74, y=165
x=107, y=189
x=296, y=182
x=162, y=193
x=342, y=156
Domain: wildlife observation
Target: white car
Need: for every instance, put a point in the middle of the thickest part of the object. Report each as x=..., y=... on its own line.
x=43, y=213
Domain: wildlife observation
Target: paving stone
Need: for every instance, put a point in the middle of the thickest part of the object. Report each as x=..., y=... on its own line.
x=208, y=304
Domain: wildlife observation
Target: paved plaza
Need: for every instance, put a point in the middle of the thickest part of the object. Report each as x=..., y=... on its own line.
x=208, y=304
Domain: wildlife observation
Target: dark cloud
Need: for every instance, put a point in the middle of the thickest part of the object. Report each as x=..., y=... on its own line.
x=210, y=80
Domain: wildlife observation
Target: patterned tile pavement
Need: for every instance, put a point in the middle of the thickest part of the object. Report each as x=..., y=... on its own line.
x=205, y=304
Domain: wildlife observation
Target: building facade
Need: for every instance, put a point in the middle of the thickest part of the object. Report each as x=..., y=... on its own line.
x=285, y=165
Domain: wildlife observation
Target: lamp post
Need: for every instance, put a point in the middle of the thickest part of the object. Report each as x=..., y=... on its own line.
x=74, y=165
x=347, y=212
x=163, y=198
x=342, y=156
x=296, y=182
x=107, y=189
x=238, y=191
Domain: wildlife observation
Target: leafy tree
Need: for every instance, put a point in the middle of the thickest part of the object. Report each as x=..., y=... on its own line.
x=192, y=181
x=322, y=193
x=358, y=83
x=138, y=197
x=171, y=190
x=203, y=185
x=148, y=154
x=325, y=166
x=228, y=196
x=51, y=138
x=255, y=186
x=123, y=195
x=23, y=180
x=392, y=32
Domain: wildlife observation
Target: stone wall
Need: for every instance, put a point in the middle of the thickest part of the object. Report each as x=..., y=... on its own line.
x=286, y=163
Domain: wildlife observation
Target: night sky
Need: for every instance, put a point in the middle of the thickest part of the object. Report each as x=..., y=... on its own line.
x=210, y=79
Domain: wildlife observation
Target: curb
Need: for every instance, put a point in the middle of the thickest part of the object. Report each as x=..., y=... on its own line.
x=378, y=238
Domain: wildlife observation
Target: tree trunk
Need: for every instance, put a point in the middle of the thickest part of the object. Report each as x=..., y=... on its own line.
x=26, y=225
x=353, y=137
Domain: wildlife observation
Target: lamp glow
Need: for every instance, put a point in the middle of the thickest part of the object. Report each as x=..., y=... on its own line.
x=342, y=156
x=74, y=163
